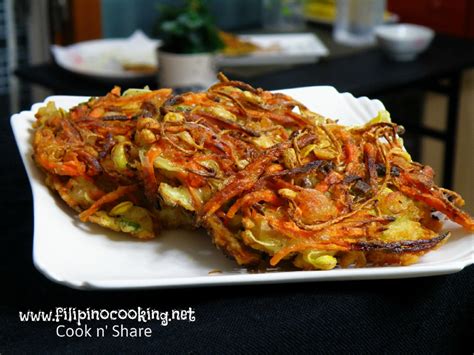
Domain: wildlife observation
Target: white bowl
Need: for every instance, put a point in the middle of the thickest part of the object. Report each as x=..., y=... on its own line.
x=403, y=42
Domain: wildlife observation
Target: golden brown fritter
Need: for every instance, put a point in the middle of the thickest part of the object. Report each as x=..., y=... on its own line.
x=268, y=179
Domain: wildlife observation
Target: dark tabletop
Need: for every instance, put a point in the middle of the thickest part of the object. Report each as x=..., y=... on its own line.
x=370, y=72
x=365, y=72
x=421, y=315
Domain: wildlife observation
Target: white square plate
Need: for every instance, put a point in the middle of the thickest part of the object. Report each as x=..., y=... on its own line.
x=87, y=256
x=103, y=59
x=279, y=49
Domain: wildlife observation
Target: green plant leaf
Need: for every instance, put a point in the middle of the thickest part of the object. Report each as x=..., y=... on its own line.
x=188, y=29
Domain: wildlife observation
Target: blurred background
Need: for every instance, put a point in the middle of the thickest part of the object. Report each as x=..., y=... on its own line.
x=28, y=72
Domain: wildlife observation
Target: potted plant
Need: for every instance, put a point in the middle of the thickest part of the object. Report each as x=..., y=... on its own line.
x=190, y=39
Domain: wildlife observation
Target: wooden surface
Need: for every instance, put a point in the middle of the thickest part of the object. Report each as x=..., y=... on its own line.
x=75, y=21
x=86, y=19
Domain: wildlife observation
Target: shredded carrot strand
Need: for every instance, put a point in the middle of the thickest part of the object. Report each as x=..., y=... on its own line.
x=107, y=198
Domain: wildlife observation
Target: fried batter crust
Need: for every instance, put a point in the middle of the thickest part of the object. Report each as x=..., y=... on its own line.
x=268, y=179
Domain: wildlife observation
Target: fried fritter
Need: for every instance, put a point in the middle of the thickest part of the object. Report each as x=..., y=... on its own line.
x=90, y=158
x=363, y=201
x=271, y=181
